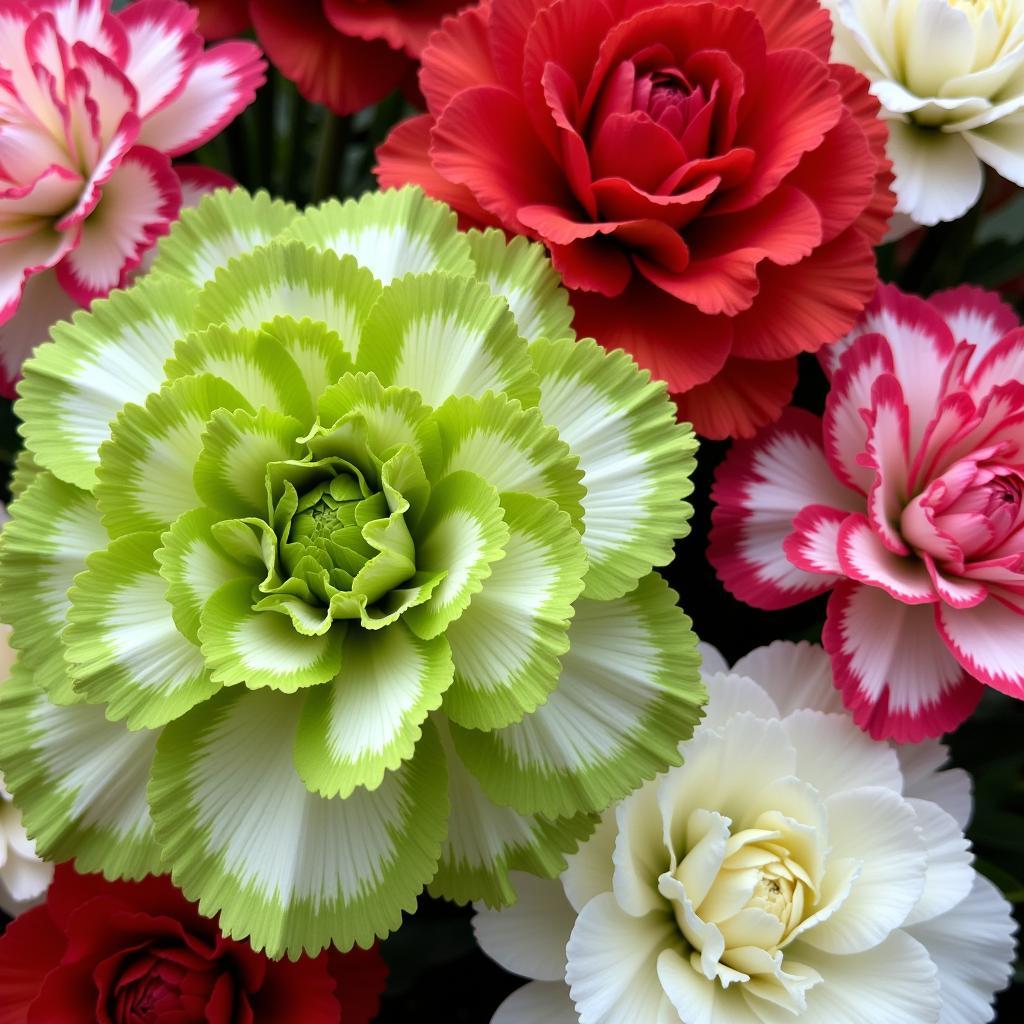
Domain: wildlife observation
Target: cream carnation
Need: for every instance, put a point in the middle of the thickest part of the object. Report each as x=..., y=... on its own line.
x=950, y=77
x=791, y=869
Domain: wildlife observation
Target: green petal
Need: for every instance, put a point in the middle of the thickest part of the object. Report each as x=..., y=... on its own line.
x=231, y=471
x=391, y=233
x=368, y=720
x=461, y=534
x=26, y=469
x=636, y=459
x=289, y=279
x=315, y=349
x=262, y=648
x=521, y=273
x=287, y=869
x=145, y=472
x=54, y=527
x=629, y=694
x=80, y=781
x=507, y=643
x=485, y=842
x=123, y=647
x=443, y=335
x=511, y=448
x=76, y=385
x=225, y=224
x=195, y=566
x=252, y=362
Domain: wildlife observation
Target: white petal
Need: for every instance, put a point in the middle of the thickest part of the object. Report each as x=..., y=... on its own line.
x=640, y=855
x=589, y=870
x=712, y=659
x=540, y=1002
x=794, y=675
x=949, y=874
x=697, y=1000
x=729, y=694
x=950, y=788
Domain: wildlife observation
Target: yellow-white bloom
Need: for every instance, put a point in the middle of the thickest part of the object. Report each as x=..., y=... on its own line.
x=950, y=77
x=791, y=869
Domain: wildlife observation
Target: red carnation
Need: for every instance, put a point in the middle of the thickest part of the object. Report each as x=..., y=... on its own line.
x=345, y=54
x=140, y=953
x=709, y=186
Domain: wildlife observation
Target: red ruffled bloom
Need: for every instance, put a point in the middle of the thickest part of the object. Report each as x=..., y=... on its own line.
x=140, y=953
x=709, y=186
x=346, y=54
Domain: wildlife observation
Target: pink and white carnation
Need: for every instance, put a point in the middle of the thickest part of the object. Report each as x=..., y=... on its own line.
x=791, y=869
x=93, y=106
x=906, y=502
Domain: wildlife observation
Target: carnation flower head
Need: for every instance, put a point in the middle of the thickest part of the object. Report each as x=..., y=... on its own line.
x=709, y=185
x=791, y=870
x=906, y=502
x=93, y=106
x=950, y=77
x=360, y=571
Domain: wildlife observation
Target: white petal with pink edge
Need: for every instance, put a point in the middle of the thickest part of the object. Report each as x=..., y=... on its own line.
x=22, y=258
x=1003, y=363
x=223, y=83
x=888, y=451
x=759, y=489
x=895, y=673
x=865, y=558
x=988, y=641
x=814, y=543
x=975, y=315
x=88, y=21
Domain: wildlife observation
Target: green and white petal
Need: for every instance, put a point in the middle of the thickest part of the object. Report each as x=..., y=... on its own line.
x=289, y=279
x=254, y=363
x=26, y=469
x=195, y=567
x=461, y=534
x=76, y=384
x=445, y=335
x=629, y=694
x=122, y=645
x=636, y=459
x=368, y=720
x=285, y=868
x=231, y=470
x=485, y=842
x=511, y=448
x=520, y=272
x=315, y=349
x=391, y=233
x=224, y=225
x=80, y=781
x=144, y=479
x=507, y=643
x=54, y=527
x=262, y=648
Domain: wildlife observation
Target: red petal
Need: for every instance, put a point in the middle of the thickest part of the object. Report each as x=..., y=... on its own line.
x=458, y=57
x=634, y=147
x=403, y=26
x=360, y=976
x=30, y=948
x=300, y=991
x=221, y=18
x=801, y=24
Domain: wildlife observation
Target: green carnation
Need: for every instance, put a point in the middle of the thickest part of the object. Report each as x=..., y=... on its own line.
x=331, y=571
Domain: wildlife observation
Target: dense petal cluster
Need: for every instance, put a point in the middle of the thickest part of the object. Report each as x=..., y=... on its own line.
x=791, y=869
x=906, y=502
x=140, y=953
x=708, y=184
x=346, y=54
x=359, y=541
x=93, y=105
x=950, y=77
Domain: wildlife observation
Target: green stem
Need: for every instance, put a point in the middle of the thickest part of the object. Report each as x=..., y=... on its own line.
x=333, y=141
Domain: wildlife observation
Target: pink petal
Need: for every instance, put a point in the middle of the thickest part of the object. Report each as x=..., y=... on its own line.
x=1004, y=362
x=955, y=417
x=814, y=543
x=892, y=668
x=198, y=181
x=988, y=641
x=164, y=47
x=955, y=591
x=889, y=454
x=976, y=316
x=759, y=490
x=89, y=22
x=865, y=558
x=138, y=204
x=222, y=84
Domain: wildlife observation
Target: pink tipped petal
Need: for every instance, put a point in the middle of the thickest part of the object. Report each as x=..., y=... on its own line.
x=892, y=668
x=888, y=452
x=222, y=84
x=112, y=92
x=759, y=490
x=139, y=203
x=866, y=559
x=89, y=22
x=198, y=181
x=974, y=315
x=1004, y=362
x=955, y=591
x=814, y=543
x=955, y=417
x=845, y=431
x=988, y=641
x=43, y=303
x=164, y=47
x=22, y=258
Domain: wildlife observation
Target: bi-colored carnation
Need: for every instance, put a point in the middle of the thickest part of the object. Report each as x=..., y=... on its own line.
x=331, y=576
x=906, y=502
x=709, y=185
x=791, y=870
x=93, y=106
